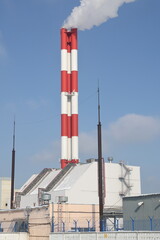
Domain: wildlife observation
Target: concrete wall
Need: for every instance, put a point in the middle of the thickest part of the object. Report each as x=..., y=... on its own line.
x=14, y=236
x=38, y=220
x=108, y=236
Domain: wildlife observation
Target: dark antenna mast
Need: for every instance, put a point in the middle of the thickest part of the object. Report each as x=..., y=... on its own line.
x=13, y=169
x=101, y=189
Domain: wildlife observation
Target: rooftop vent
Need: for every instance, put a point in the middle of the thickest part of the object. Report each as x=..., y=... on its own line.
x=90, y=160
x=62, y=199
x=110, y=159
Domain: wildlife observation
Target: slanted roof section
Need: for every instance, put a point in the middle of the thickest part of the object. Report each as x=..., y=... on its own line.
x=38, y=178
x=59, y=178
x=73, y=176
x=46, y=181
x=28, y=182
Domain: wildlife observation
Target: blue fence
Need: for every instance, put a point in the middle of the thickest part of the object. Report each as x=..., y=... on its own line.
x=148, y=224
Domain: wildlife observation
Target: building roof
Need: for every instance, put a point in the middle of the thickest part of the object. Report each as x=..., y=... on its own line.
x=70, y=179
x=44, y=182
x=59, y=179
x=143, y=195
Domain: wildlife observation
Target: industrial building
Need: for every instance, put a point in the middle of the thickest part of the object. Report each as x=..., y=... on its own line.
x=142, y=212
x=77, y=184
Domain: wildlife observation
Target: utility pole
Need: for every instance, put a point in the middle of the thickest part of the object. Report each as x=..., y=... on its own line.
x=13, y=169
x=101, y=179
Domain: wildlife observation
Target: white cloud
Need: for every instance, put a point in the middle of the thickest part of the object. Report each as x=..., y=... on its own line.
x=129, y=129
x=133, y=128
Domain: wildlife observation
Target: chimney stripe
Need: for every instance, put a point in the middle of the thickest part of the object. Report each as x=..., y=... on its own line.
x=69, y=97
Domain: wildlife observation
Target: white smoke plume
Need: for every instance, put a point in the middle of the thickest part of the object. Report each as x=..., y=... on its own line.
x=93, y=13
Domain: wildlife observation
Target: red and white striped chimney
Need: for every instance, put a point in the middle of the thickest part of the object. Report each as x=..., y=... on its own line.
x=69, y=97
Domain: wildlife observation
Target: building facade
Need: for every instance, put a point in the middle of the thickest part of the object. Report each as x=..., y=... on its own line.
x=78, y=183
x=142, y=212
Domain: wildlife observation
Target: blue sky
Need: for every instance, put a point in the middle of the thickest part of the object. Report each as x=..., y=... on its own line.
x=122, y=53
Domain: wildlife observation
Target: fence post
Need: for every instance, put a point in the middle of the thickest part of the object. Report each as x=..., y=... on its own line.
x=75, y=223
x=1, y=229
x=63, y=226
x=106, y=226
x=52, y=225
x=28, y=210
x=15, y=229
x=102, y=223
x=88, y=221
x=151, y=222
x=117, y=224
x=52, y=222
x=132, y=223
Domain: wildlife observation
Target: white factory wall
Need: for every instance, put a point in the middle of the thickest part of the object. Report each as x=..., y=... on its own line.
x=14, y=236
x=30, y=200
x=80, y=185
x=114, y=186
x=108, y=236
